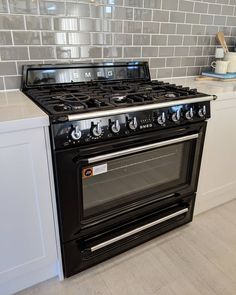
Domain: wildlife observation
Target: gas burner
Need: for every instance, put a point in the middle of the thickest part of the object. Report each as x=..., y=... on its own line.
x=171, y=95
x=75, y=98
x=116, y=88
x=65, y=107
x=119, y=98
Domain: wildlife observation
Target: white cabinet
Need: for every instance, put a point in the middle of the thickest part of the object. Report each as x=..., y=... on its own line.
x=217, y=181
x=28, y=252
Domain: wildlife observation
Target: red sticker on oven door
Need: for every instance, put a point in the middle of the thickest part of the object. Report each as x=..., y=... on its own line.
x=87, y=172
x=95, y=170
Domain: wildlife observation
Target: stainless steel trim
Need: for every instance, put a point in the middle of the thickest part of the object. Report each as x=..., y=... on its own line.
x=137, y=230
x=120, y=111
x=141, y=148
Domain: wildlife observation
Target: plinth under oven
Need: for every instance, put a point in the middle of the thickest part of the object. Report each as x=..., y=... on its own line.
x=126, y=152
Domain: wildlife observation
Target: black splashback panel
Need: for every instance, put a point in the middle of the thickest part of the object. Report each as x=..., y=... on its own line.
x=43, y=75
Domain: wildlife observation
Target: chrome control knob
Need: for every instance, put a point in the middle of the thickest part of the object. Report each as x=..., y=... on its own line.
x=161, y=120
x=189, y=114
x=133, y=124
x=115, y=126
x=176, y=116
x=97, y=130
x=202, y=112
x=76, y=133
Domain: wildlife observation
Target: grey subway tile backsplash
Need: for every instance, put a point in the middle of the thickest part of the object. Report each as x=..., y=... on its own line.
x=14, y=53
x=164, y=73
x=201, y=7
x=112, y=52
x=123, y=39
x=150, y=51
x=3, y=6
x=52, y=7
x=166, y=51
x=2, y=87
x=134, y=3
x=172, y=62
x=182, y=51
x=193, y=18
x=7, y=68
x=177, y=38
x=157, y=62
x=132, y=27
x=151, y=27
x=185, y=5
x=159, y=40
x=91, y=52
x=143, y=14
x=155, y=4
x=183, y=29
x=68, y=52
x=23, y=6
x=206, y=19
x=54, y=38
x=26, y=38
x=190, y=40
x=65, y=24
x=13, y=82
x=187, y=61
x=132, y=52
x=227, y=10
x=214, y=9
x=169, y=5
x=39, y=52
x=168, y=28
x=140, y=39
x=161, y=15
x=39, y=23
x=101, y=39
x=5, y=38
x=179, y=72
x=177, y=17
x=11, y=22
x=79, y=38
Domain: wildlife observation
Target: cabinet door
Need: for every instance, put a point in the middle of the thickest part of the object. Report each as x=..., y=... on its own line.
x=217, y=182
x=27, y=238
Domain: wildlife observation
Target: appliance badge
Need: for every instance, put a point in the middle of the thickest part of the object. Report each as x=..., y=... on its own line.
x=95, y=170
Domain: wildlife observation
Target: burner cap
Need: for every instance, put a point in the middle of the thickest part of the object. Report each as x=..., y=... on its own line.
x=171, y=95
x=119, y=98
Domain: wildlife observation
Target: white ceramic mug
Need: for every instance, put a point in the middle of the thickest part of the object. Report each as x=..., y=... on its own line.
x=232, y=66
x=220, y=66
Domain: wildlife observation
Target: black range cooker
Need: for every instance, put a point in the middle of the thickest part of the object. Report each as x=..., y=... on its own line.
x=126, y=154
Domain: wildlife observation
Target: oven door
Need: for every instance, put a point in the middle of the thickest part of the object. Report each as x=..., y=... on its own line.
x=99, y=183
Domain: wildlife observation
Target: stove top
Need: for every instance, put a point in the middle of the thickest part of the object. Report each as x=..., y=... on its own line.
x=63, y=90
x=99, y=96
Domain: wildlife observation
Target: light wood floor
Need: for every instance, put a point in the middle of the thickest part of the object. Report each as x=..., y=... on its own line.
x=197, y=259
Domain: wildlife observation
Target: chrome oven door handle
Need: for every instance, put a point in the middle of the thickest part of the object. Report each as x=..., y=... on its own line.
x=137, y=230
x=141, y=148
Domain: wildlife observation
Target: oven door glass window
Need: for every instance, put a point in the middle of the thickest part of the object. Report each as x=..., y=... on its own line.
x=118, y=181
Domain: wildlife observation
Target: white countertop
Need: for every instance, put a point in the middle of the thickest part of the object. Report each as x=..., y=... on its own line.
x=223, y=90
x=18, y=112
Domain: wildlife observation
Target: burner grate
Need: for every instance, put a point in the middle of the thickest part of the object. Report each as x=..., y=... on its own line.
x=92, y=96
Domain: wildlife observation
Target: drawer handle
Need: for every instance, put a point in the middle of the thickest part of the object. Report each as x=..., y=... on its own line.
x=137, y=230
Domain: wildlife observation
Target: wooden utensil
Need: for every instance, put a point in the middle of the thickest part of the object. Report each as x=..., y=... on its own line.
x=204, y=78
x=221, y=39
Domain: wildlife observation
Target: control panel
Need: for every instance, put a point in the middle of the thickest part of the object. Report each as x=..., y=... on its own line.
x=70, y=134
